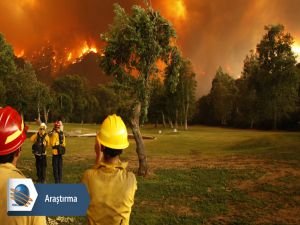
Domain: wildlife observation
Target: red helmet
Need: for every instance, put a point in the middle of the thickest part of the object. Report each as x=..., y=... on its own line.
x=57, y=124
x=12, y=131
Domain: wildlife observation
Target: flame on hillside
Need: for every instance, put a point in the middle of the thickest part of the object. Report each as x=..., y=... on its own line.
x=82, y=50
x=19, y=53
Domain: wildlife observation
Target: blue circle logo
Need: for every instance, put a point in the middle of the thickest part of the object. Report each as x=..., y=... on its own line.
x=21, y=195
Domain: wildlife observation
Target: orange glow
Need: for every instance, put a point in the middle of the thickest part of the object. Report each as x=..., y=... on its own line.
x=19, y=53
x=179, y=9
x=87, y=49
x=30, y=2
x=175, y=9
x=73, y=55
x=69, y=56
x=296, y=50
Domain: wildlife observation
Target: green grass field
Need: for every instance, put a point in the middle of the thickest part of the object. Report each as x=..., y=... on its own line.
x=201, y=176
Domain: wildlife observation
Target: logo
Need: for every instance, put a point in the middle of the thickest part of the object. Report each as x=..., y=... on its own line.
x=21, y=195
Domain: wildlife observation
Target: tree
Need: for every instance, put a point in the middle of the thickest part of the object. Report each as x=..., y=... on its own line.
x=108, y=101
x=2, y=93
x=157, y=102
x=21, y=89
x=222, y=95
x=278, y=81
x=171, y=83
x=186, y=90
x=71, y=92
x=247, y=99
x=7, y=65
x=134, y=44
x=44, y=100
x=205, y=113
x=180, y=92
x=43, y=61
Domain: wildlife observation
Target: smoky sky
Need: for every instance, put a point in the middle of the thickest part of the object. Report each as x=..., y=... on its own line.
x=211, y=33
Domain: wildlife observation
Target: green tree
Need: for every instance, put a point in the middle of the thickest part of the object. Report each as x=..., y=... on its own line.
x=134, y=44
x=205, y=113
x=21, y=89
x=7, y=64
x=7, y=67
x=157, y=102
x=44, y=100
x=278, y=82
x=2, y=93
x=71, y=92
x=186, y=90
x=171, y=81
x=108, y=101
x=222, y=94
x=247, y=99
x=181, y=90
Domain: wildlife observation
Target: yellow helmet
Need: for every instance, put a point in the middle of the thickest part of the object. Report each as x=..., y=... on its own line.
x=113, y=133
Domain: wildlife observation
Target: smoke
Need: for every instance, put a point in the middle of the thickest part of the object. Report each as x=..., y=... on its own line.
x=210, y=33
x=221, y=33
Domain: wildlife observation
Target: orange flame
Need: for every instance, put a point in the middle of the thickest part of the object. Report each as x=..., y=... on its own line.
x=296, y=50
x=175, y=10
x=69, y=58
x=87, y=49
x=19, y=54
x=73, y=55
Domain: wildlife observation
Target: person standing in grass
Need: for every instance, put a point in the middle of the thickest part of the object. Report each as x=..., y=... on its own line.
x=110, y=186
x=12, y=137
x=40, y=142
x=58, y=144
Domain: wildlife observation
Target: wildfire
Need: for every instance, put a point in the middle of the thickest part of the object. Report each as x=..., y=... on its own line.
x=296, y=49
x=87, y=49
x=175, y=9
x=19, y=53
x=84, y=49
x=69, y=58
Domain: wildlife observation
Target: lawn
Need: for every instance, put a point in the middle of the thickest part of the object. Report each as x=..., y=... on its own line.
x=201, y=176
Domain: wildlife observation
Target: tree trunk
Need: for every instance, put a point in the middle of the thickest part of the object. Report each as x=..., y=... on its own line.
x=186, y=116
x=251, y=123
x=170, y=123
x=39, y=113
x=275, y=119
x=176, y=118
x=140, y=147
x=163, y=119
x=46, y=114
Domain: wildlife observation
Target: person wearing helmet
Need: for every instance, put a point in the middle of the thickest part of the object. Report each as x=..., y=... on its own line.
x=12, y=137
x=58, y=144
x=110, y=186
x=40, y=142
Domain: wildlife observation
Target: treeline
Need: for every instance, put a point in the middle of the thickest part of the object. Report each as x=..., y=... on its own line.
x=71, y=99
x=267, y=93
x=265, y=96
x=68, y=97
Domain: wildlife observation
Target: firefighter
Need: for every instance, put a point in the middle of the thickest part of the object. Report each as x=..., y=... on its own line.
x=58, y=143
x=12, y=137
x=40, y=142
x=111, y=187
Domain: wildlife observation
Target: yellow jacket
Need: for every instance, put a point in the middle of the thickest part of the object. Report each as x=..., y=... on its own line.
x=8, y=170
x=54, y=141
x=46, y=143
x=111, y=188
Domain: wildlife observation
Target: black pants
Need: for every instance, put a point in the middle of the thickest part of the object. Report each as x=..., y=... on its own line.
x=41, y=165
x=57, y=164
